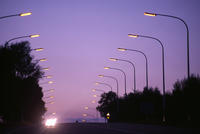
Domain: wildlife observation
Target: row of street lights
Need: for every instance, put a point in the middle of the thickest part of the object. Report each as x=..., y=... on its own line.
x=36, y=49
x=163, y=58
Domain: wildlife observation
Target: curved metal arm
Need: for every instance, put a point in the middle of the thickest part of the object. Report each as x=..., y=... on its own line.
x=188, y=48
x=16, y=38
x=106, y=85
x=147, y=83
x=175, y=18
x=9, y=16
x=134, y=72
x=100, y=90
x=163, y=70
x=124, y=77
x=116, y=82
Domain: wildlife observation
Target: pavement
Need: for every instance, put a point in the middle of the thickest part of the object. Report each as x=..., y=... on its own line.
x=102, y=128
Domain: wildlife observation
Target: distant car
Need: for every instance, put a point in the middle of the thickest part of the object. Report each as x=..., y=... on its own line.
x=76, y=121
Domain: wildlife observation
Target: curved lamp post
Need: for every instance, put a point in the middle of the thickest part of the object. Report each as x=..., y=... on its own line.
x=50, y=90
x=93, y=109
x=134, y=75
x=187, y=29
x=122, y=72
x=125, y=49
x=93, y=101
x=46, y=68
x=28, y=36
x=100, y=90
x=21, y=14
x=48, y=82
x=117, y=88
x=43, y=59
x=113, y=79
x=97, y=83
x=48, y=97
x=48, y=76
x=163, y=65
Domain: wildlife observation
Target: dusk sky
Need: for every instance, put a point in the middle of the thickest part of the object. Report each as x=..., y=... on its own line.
x=79, y=37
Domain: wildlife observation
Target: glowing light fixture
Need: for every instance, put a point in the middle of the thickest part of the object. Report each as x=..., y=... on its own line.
x=34, y=36
x=25, y=14
x=38, y=49
x=132, y=35
x=84, y=115
x=100, y=76
x=121, y=49
x=113, y=59
x=149, y=14
x=47, y=68
x=44, y=59
x=106, y=67
x=93, y=101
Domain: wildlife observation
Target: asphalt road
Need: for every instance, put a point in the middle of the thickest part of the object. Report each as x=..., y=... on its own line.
x=100, y=128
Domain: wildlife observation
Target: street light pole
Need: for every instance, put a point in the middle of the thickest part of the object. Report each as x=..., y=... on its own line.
x=125, y=49
x=27, y=36
x=120, y=71
x=104, y=84
x=134, y=73
x=163, y=66
x=113, y=79
x=100, y=90
x=117, y=88
x=187, y=30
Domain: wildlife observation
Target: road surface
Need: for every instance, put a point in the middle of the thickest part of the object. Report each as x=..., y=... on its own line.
x=100, y=128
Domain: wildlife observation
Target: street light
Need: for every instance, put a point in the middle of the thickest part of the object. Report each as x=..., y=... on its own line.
x=48, y=97
x=93, y=101
x=46, y=68
x=38, y=49
x=43, y=59
x=48, y=82
x=134, y=75
x=95, y=96
x=120, y=71
x=50, y=90
x=100, y=90
x=187, y=30
x=125, y=49
x=97, y=83
x=48, y=76
x=86, y=108
x=93, y=109
x=29, y=36
x=21, y=14
x=117, y=87
x=163, y=66
x=113, y=79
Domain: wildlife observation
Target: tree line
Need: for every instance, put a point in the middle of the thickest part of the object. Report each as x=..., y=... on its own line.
x=20, y=93
x=182, y=104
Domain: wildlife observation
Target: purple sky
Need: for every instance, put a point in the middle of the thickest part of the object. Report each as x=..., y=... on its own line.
x=80, y=35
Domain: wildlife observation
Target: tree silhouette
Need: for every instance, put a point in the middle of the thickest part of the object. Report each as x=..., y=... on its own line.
x=185, y=101
x=108, y=104
x=21, y=95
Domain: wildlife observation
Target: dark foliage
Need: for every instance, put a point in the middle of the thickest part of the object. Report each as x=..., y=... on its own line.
x=182, y=105
x=21, y=95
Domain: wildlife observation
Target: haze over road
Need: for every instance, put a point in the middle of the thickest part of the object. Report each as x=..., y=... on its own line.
x=101, y=128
